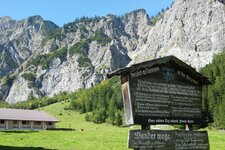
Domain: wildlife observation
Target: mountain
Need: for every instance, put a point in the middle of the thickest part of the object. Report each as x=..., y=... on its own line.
x=19, y=39
x=39, y=58
x=192, y=30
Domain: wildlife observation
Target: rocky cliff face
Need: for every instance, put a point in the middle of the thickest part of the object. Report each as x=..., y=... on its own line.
x=19, y=39
x=38, y=58
x=192, y=30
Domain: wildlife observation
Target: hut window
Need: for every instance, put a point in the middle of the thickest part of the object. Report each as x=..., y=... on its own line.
x=24, y=122
x=50, y=123
x=14, y=122
x=37, y=123
x=2, y=121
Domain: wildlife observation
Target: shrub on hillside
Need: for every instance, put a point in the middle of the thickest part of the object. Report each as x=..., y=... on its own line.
x=101, y=38
x=104, y=101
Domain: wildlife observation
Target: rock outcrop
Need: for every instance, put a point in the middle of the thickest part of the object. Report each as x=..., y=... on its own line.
x=192, y=30
x=19, y=39
x=38, y=58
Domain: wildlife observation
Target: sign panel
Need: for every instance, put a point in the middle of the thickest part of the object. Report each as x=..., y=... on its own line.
x=165, y=95
x=168, y=140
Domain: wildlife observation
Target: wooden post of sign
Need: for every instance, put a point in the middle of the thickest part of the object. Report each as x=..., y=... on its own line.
x=188, y=127
x=147, y=86
x=145, y=127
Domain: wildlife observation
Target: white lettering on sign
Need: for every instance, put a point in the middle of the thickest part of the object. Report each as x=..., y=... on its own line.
x=172, y=140
x=144, y=72
x=187, y=77
x=167, y=99
x=166, y=88
x=149, y=136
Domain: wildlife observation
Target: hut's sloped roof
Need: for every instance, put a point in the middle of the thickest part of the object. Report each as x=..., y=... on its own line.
x=25, y=115
x=162, y=60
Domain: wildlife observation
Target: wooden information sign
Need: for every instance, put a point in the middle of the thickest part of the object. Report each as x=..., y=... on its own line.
x=168, y=140
x=162, y=91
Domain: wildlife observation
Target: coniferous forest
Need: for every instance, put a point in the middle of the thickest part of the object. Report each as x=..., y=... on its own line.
x=214, y=95
x=102, y=103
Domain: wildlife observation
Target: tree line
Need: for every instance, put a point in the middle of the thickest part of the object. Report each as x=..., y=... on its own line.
x=103, y=102
x=214, y=95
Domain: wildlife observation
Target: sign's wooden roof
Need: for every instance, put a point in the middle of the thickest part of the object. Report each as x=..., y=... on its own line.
x=25, y=115
x=160, y=61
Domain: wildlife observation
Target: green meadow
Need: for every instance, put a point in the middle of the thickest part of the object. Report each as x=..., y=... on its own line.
x=87, y=136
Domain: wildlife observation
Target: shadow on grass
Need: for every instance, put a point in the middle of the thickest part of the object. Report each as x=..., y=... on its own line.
x=19, y=131
x=22, y=148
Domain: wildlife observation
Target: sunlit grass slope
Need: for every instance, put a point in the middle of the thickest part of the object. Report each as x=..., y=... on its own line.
x=87, y=136
x=93, y=136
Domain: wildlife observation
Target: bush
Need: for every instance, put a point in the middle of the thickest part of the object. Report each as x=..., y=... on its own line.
x=118, y=119
x=45, y=59
x=99, y=115
x=101, y=38
x=28, y=77
x=101, y=103
x=70, y=27
x=80, y=49
x=89, y=117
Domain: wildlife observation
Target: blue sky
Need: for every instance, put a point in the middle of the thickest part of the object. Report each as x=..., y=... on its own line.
x=65, y=11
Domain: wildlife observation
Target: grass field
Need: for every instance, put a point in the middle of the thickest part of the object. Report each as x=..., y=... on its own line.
x=93, y=136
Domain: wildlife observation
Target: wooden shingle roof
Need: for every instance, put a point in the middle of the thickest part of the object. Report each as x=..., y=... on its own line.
x=160, y=61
